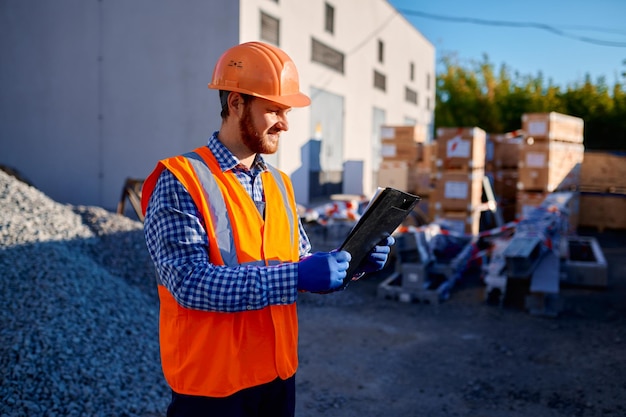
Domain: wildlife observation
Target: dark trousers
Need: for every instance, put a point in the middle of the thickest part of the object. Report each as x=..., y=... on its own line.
x=276, y=399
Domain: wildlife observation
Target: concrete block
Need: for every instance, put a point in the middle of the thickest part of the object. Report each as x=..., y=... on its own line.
x=585, y=264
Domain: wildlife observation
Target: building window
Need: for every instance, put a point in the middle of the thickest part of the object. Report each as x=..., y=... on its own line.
x=380, y=81
x=381, y=51
x=327, y=56
x=412, y=71
x=428, y=81
x=329, y=20
x=410, y=95
x=270, y=29
x=428, y=103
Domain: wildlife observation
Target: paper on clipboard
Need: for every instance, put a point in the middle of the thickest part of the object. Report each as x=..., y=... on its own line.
x=385, y=212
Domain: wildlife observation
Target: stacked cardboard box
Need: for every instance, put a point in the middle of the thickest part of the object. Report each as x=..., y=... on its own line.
x=550, y=156
x=549, y=166
x=394, y=174
x=461, y=148
x=603, y=172
x=506, y=153
x=553, y=126
x=400, y=143
x=602, y=210
x=603, y=190
x=457, y=194
x=458, y=190
x=421, y=173
x=406, y=159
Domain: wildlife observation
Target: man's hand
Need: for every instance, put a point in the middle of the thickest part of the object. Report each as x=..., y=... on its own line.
x=323, y=271
x=377, y=257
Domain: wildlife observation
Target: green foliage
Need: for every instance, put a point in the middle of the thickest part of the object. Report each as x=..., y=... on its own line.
x=495, y=101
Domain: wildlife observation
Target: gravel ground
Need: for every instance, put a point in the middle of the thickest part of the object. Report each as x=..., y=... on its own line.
x=80, y=314
x=79, y=334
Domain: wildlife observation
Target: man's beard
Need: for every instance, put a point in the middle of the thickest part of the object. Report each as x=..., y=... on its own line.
x=251, y=137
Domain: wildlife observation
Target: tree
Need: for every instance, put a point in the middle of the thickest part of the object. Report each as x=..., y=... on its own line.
x=496, y=101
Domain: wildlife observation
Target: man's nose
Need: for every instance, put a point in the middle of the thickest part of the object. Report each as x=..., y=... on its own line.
x=282, y=123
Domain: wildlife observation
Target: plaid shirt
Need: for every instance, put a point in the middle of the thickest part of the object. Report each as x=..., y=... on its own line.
x=178, y=245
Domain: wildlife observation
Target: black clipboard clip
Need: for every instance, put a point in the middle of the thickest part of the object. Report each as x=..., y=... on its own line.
x=385, y=212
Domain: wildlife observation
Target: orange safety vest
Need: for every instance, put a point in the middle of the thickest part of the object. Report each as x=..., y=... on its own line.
x=216, y=354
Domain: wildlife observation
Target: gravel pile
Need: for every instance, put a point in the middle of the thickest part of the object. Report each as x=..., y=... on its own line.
x=79, y=311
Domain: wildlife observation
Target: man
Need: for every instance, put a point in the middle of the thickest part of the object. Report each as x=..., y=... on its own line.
x=230, y=252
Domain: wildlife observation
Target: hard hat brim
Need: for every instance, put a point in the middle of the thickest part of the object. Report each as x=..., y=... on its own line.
x=291, y=100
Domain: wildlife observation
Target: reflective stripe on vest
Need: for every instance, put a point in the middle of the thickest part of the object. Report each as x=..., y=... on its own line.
x=217, y=208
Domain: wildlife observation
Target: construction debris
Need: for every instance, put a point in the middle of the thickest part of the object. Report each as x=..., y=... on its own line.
x=429, y=261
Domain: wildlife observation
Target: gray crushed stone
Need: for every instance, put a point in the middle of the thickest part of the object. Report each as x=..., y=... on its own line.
x=79, y=333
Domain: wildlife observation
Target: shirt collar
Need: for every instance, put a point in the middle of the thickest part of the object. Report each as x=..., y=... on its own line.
x=227, y=160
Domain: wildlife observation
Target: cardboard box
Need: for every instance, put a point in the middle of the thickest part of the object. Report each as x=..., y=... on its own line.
x=602, y=211
x=425, y=156
x=460, y=221
x=458, y=190
x=419, y=183
x=415, y=133
x=505, y=185
x=393, y=150
x=603, y=171
x=434, y=149
x=528, y=201
x=553, y=126
x=506, y=151
x=549, y=166
x=394, y=174
x=489, y=151
x=461, y=148
x=402, y=175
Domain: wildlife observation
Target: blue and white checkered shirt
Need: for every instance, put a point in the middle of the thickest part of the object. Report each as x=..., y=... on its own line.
x=178, y=245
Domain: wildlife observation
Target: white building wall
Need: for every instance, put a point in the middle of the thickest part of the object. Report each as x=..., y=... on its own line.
x=95, y=92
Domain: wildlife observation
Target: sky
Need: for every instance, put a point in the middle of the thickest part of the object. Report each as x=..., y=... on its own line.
x=564, y=40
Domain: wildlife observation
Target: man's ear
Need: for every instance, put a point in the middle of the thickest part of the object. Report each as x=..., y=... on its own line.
x=235, y=102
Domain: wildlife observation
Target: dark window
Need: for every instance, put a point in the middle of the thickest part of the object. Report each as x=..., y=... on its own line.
x=329, y=21
x=380, y=81
x=428, y=103
x=412, y=71
x=410, y=95
x=381, y=51
x=270, y=29
x=327, y=56
x=428, y=81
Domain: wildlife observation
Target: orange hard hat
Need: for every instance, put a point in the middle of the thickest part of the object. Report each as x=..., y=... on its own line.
x=260, y=70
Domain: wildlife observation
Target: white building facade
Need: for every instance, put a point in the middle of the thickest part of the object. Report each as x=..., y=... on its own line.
x=92, y=93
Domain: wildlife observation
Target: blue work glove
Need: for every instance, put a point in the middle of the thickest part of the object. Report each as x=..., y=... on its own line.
x=377, y=257
x=323, y=271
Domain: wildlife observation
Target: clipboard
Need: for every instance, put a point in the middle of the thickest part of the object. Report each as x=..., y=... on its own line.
x=382, y=216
